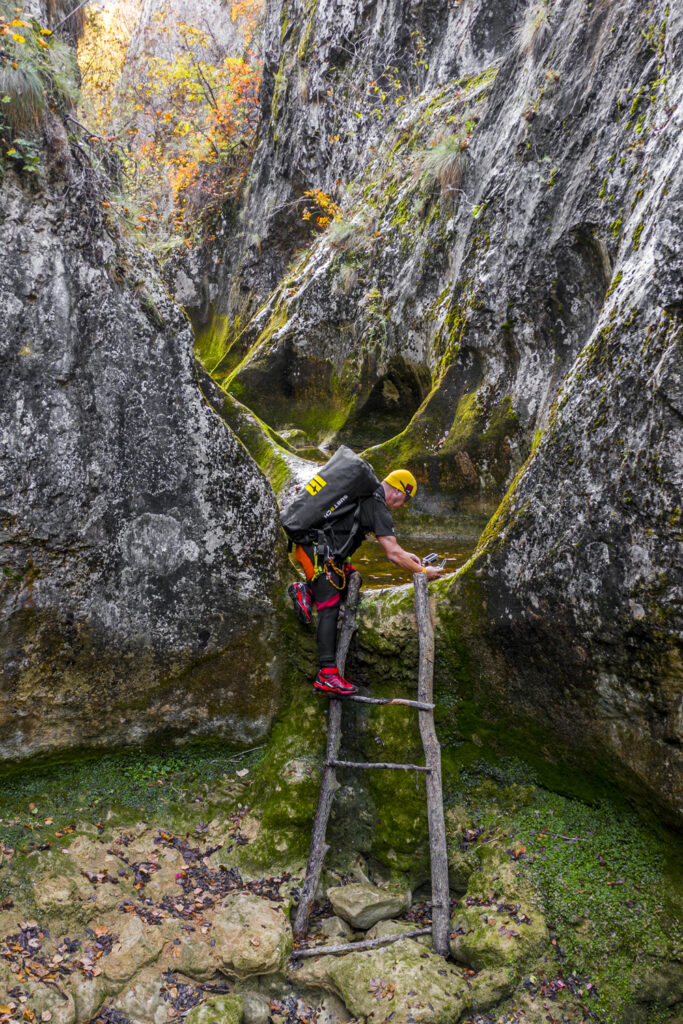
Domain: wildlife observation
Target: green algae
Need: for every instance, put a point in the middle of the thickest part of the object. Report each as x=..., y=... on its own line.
x=609, y=885
x=215, y=343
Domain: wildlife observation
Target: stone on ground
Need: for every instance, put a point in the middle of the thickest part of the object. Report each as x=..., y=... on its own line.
x=190, y=953
x=255, y=1008
x=44, y=999
x=401, y=979
x=217, y=1010
x=252, y=936
x=141, y=1000
x=138, y=944
x=497, y=923
x=383, y=928
x=332, y=1011
x=335, y=928
x=365, y=905
x=67, y=899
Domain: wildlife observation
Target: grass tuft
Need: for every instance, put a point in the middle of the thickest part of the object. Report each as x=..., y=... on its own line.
x=447, y=161
x=347, y=234
x=534, y=35
x=27, y=95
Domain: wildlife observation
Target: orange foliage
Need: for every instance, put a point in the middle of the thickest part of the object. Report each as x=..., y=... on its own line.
x=183, y=116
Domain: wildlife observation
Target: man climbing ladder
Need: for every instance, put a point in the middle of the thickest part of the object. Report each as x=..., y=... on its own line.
x=327, y=523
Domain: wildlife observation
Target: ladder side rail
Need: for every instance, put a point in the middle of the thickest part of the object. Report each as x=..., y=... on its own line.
x=329, y=784
x=432, y=749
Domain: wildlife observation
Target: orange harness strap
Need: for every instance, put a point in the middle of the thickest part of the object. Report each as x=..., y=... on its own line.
x=304, y=561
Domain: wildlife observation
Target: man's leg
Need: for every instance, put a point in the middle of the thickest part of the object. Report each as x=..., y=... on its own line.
x=327, y=600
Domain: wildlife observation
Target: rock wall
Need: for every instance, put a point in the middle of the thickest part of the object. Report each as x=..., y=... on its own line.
x=499, y=305
x=138, y=539
x=490, y=202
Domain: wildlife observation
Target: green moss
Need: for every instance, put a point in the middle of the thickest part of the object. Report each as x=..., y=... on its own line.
x=287, y=780
x=307, y=36
x=150, y=310
x=614, y=283
x=155, y=783
x=214, y=342
x=467, y=417
x=268, y=449
x=502, y=421
x=471, y=82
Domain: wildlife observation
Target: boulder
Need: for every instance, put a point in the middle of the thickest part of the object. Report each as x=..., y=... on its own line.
x=217, y=1010
x=401, y=979
x=334, y=928
x=364, y=905
x=252, y=936
x=138, y=539
x=137, y=945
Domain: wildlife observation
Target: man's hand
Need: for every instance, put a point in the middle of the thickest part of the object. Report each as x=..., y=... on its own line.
x=433, y=572
x=406, y=559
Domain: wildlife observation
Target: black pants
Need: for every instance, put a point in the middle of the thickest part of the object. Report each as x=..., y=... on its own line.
x=328, y=602
x=329, y=590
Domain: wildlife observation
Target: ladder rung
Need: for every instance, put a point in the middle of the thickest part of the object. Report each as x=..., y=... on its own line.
x=376, y=764
x=420, y=705
x=350, y=947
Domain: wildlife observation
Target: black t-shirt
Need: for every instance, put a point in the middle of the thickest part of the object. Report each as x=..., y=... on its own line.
x=374, y=517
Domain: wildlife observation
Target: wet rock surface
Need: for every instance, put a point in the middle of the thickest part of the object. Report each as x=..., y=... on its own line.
x=137, y=536
x=502, y=279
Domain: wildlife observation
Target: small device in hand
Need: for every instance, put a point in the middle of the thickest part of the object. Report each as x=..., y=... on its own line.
x=433, y=560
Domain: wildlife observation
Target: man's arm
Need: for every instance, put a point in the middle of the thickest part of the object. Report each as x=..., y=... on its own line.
x=405, y=559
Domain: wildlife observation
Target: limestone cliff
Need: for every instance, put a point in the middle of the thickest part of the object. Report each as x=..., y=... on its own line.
x=138, y=538
x=499, y=304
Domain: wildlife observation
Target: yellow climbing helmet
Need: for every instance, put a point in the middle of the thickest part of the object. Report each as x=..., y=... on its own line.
x=403, y=480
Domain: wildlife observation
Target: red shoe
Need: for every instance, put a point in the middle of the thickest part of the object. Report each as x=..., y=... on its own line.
x=329, y=681
x=302, y=599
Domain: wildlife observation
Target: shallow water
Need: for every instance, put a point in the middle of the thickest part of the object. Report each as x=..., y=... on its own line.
x=378, y=571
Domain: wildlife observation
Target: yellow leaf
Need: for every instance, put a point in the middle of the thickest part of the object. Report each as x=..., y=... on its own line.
x=12, y=152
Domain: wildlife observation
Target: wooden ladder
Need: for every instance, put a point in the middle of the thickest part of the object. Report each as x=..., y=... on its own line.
x=431, y=770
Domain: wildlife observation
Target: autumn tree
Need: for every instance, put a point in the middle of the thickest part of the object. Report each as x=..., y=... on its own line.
x=182, y=112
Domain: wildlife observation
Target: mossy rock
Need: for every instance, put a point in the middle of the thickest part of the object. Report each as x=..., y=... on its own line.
x=401, y=981
x=217, y=1010
x=493, y=934
x=252, y=936
x=364, y=905
x=498, y=923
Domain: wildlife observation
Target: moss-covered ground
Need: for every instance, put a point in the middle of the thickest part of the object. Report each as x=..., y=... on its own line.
x=173, y=788
x=607, y=884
